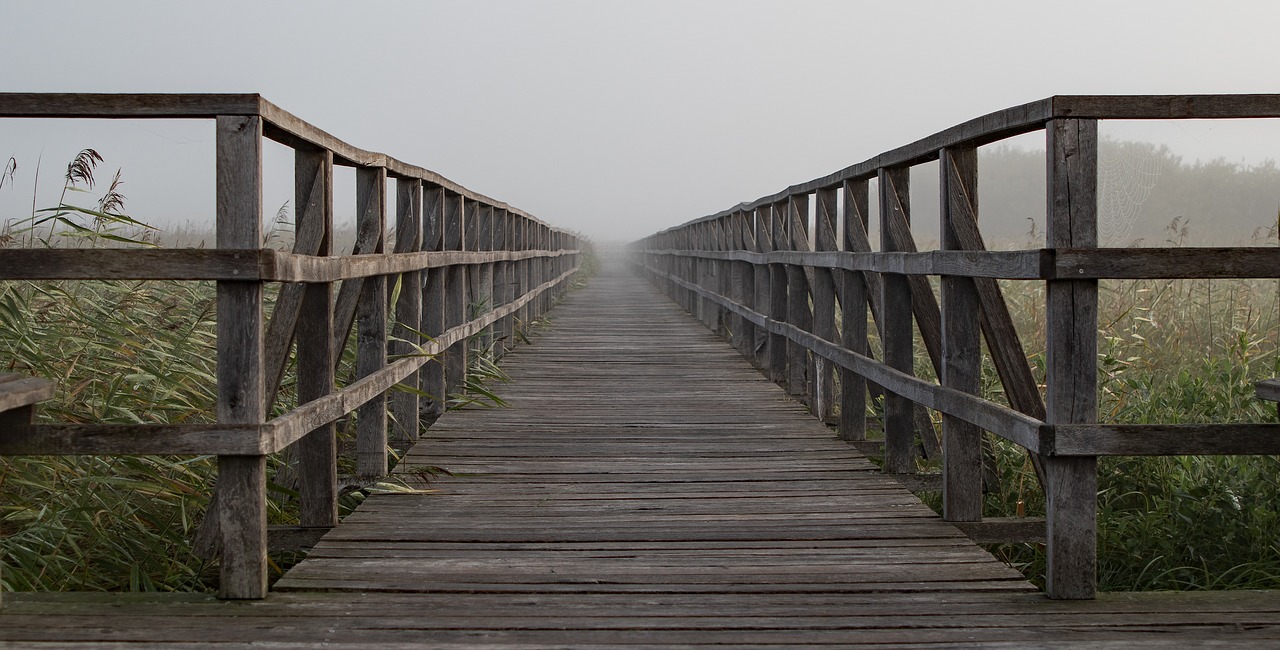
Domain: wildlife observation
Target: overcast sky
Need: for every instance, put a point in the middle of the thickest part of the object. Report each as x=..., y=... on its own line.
x=612, y=118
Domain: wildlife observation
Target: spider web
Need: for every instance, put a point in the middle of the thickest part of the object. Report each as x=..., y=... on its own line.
x=1127, y=172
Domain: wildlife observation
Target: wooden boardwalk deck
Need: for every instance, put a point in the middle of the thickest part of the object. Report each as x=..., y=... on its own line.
x=646, y=488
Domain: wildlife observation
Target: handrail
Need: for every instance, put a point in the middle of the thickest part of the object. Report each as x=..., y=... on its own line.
x=454, y=248
x=749, y=273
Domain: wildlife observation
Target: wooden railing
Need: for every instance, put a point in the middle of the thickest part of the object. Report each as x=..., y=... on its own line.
x=754, y=273
x=453, y=249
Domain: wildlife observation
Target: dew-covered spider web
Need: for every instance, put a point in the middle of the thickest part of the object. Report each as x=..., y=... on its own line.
x=1127, y=172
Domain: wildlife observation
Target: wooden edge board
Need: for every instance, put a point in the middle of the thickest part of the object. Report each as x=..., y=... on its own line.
x=1268, y=389
x=294, y=538
x=1165, y=263
x=17, y=391
x=1166, y=439
x=1013, y=265
x=1004, y=530
x=129, y=105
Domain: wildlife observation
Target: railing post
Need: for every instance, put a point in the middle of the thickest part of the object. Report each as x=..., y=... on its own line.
x=242, y=480
x=455, y=358
x=854, y=297
x=778, y=279
x=521, y=243
x=743, y=280
x=824, y=304
x=435, y=300
x=404, y=404
x=762, y=244
x=799, y=313
x=317, y=452
x=896, y=333
x=502, y=280
x=371, y=319
x=1071, y=322
x=961, y=349
x=485, y=295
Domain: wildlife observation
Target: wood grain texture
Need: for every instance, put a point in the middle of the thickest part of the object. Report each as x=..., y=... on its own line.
x=371, y=326
x=1071, y=330
x=1268, y=389
x=240, y=515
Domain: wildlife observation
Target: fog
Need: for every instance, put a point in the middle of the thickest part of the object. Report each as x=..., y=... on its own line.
x=615, y=119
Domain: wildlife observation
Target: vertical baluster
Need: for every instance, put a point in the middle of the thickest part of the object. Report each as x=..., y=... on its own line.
x=501, y=281
x=404, y=404
x=1071, y=330
x=484, y=290
x=435, y=303
x=799, y=313
x=824, y=304
x=317, y=451
x=854, y=297
x=961, y=349
x=762, y=226
x=242, y=480
x=371, y=326
x=896, y=324
x=778, y=279
x=455, y=358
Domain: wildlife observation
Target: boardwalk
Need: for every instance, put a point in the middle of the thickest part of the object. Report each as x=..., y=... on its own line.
x=646, y=488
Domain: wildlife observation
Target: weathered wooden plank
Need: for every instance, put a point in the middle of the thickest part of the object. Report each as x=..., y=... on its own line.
x=434, y=302
x=408, y=314
x=1268, y=389
x=1071, y=329
x=824, y=303
x=799, y=310
x=371, y=326
x=896, y=330
x=961, y=345
x=1131, y=263
x=1165, y=439
x=240, y=513
x=17, y=391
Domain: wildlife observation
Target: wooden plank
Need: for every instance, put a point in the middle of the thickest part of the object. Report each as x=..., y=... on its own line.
x=455, y=357
x=1005, y=530
x=961, y=345
x=240, y=513
x=1131, y=263
x=1071, y=327
x=434, y=301
x=896, y=330
x=779, y=279
x=855, y=296
x=371, y=326
x=1165, y=439
x=799, y=310
x=408, y=315
x=1268, y=389
x=824, y=303
x=132, y=105
x=17, y=391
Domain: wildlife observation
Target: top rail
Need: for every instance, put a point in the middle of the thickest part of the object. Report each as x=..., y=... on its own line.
x=1027, y=118
x=278, y=125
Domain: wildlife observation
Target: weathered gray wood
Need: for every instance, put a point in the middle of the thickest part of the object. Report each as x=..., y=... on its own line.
x=434, y=299
x=371, y=326
x=1004, y=530
x=1071, y=329
x=317, y=453
x=240, y=514
x=742, y=237
x=484, y=275
x=455, y=358
x=824, y=303
x=293, y=538
x=896, y=325
x=1165, y=439
x=762, y=227
x=408, y=315
x=855, y=296
x=799, y=311
x=779, y=280
x=1268, y=389
x=17, y=391
x=1130, y=263
x=961, y=348
x=501, y=282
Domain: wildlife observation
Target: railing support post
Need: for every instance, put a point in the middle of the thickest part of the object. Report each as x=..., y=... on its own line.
x=317, y=451
x=854, y=297
x=961, y=347
x=371, y=332
x=1071, y=357
x=824, y=304
x=434, y=299
x=242, y=480
x=896, y=326
x=799, y=313
x=404, y=404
